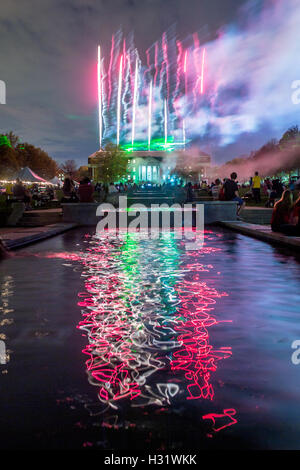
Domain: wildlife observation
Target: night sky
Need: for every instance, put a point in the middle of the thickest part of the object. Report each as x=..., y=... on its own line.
x=48, y=60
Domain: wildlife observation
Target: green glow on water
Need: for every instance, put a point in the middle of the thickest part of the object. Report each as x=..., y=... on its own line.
x=161, y=279
x=129, y=258
x=169, y=259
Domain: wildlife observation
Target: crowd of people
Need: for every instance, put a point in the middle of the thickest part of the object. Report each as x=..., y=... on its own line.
x=86, y=189
x=285, y=218
x=272, y=189
x=74, y=193
x=227, y=190
x=32, y=195
x=286, y=211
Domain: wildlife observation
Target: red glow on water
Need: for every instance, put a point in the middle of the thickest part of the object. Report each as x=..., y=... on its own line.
x=132, y=334
x=60, y=255
x=197, y=358
x=227, y=416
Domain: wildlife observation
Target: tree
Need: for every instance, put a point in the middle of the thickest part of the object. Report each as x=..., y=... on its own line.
x=271, y=159
x=112, y=164
x=15, y=155
x=70, y=167
x=4, y=141
x=290, y=136
x=13, y=138
x=37, y=160
x=269, y=148
x=8, y=162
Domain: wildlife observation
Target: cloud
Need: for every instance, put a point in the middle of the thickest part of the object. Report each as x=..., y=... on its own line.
x=48, y=52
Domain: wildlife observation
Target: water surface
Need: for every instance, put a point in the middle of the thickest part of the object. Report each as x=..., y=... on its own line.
x=139, y=344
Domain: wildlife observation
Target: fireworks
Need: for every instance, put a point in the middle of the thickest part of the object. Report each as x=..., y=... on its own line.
x=134, y=100
x=150, y=115
x=202, y=71
x=145, y=106
x=119, y=100
x=166, y=122
x=100, y=96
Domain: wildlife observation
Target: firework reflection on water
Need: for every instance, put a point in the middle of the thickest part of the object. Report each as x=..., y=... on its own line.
x=147, y=309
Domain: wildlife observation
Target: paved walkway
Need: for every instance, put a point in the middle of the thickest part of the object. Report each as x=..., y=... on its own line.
x=263, y=232
x=17, y=237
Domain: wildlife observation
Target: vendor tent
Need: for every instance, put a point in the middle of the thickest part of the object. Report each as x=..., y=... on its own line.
x=28, y=176
x=56, y=181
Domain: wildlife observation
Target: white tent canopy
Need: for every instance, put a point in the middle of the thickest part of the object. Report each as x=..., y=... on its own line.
x=56, y=181
x=28, y=176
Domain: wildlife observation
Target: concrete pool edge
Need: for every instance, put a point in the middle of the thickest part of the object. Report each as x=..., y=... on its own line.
x=84, y=213
x=13, y=241
x=263, y=233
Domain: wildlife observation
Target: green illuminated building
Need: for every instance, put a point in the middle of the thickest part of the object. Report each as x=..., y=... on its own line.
x=159, y=166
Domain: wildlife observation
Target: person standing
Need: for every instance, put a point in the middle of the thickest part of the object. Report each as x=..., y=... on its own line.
x=231, y=192
x=68, y=188
x=19, y=190
x=86, y=190
x=112, y=188
x=256, y=188
x=215, y=190
x=189, y=192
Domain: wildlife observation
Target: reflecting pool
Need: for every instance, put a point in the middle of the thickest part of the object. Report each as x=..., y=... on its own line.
x=138, y=343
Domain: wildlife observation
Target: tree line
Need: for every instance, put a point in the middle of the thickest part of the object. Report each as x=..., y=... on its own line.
x=15, y=155
x=272, y=158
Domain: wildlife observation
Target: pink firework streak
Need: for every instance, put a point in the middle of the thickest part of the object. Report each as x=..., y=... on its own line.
x=109, y=70
x=178, y=72
x=185, y=72
x=100, y=96
x=197, y=66
x=148, y=63
x=119, y=100
x=166, y=62
x=202, y=71
x=155, y=62
x=164, y=65
x=124, y=54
